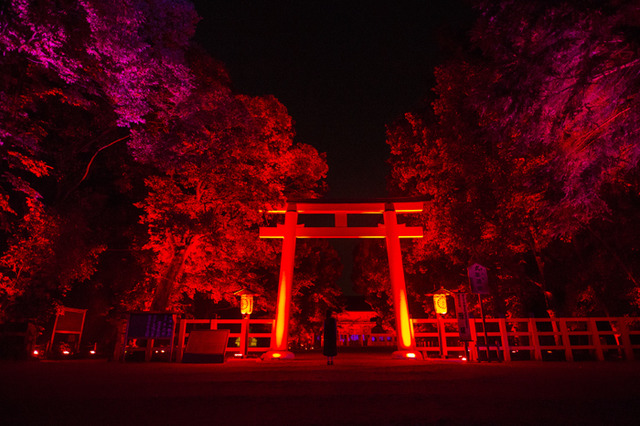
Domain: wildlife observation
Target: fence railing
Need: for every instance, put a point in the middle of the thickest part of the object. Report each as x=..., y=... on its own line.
x=568, y=339
x=532, y=338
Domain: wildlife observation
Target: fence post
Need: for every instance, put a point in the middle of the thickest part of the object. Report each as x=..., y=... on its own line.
x=442, y=339
x=473, y=350
x=595, y=338
x=244, y=335
x=504, y=336
x=623, y=326
x=181, y=336
x=533, y=337
x=568, y=353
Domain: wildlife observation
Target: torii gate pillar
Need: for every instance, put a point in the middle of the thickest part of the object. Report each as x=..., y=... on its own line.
x=404, y=326
x=389, y=230
x=280, y=335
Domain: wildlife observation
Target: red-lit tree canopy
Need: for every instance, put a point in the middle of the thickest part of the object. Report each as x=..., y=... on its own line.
x=203, y=213
x=128, y=160
x=529, y=138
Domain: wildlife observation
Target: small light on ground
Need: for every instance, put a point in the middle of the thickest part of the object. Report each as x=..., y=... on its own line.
x=36, y=353
x=92, y=352
x=411, y=355
x=65, y=352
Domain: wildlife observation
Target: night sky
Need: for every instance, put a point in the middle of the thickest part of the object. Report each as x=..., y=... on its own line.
x=344, y=69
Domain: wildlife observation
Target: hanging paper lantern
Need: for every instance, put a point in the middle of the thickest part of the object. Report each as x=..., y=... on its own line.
x=246, y=301
x=246, y=304
x=440, y=303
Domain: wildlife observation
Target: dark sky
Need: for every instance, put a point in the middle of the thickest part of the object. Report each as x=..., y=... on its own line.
x=344, y=69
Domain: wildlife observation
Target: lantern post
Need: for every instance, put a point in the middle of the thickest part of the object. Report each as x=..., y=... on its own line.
x=479, y=283
x=246, y=309
x=440, y=305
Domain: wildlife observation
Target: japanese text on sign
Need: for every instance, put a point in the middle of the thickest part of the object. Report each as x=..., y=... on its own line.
x=478, y=279
x=462, y=313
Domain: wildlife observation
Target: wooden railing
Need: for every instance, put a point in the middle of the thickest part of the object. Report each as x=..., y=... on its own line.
x=568, y=339
x=532, y=338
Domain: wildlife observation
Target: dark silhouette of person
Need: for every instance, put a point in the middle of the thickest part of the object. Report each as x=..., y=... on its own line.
x=330, y=348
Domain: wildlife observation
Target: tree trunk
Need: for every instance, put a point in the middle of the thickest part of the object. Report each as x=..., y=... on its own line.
x=167, y=281
x=543, y=282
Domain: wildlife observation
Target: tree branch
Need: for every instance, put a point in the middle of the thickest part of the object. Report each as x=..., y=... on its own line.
x=86, y=173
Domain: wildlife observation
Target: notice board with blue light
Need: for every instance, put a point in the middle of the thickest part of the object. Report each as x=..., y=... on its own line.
x=151, y=326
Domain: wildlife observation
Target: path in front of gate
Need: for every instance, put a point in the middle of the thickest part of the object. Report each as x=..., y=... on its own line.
x=360, y=389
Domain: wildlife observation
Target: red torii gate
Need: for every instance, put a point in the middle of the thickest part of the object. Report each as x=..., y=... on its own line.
x=390, y=230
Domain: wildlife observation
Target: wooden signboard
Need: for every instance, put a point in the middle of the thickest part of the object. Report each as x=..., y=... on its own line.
x=69, y=321
x=206, y=346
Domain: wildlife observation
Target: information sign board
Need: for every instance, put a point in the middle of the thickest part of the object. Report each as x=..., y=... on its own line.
x=462, y=313
x=151, y=325
x=478, y=279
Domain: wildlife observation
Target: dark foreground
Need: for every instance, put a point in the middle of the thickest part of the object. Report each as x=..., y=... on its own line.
x=360, y=389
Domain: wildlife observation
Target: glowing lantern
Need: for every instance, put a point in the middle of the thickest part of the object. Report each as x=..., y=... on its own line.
x=440, y=303
x=246, y=304
x=246, y=301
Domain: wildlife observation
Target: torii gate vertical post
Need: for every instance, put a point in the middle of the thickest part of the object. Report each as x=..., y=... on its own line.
x=279, y=347
x=404, y=327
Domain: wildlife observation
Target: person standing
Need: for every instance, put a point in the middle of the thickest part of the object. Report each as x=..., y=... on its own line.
x=330, y=347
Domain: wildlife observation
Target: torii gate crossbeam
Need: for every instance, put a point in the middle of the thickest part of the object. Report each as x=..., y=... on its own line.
x=390, y=230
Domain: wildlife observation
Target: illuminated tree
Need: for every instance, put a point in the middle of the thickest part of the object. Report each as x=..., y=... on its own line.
x=527, y=135
x=232, y=157
x=76, y=78
x=88, y=86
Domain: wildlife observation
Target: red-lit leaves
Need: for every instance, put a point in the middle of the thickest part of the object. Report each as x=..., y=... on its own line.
x=527, y=135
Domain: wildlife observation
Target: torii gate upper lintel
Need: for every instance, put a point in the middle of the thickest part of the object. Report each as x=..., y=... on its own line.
x=390, y=230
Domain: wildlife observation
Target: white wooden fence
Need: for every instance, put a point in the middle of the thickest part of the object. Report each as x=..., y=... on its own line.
x=569, y=339
x=533, y=338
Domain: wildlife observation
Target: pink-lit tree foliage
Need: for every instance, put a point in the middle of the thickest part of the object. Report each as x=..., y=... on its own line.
x=529, y=146
x=129, y=168
x=75, y=76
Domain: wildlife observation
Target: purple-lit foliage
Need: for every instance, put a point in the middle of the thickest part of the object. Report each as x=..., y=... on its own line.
x=86, y=88
x=129, y=51
x=527, y=135
x=72, y=73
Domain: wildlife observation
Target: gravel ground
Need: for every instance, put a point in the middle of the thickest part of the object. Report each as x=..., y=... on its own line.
x=360, y=389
